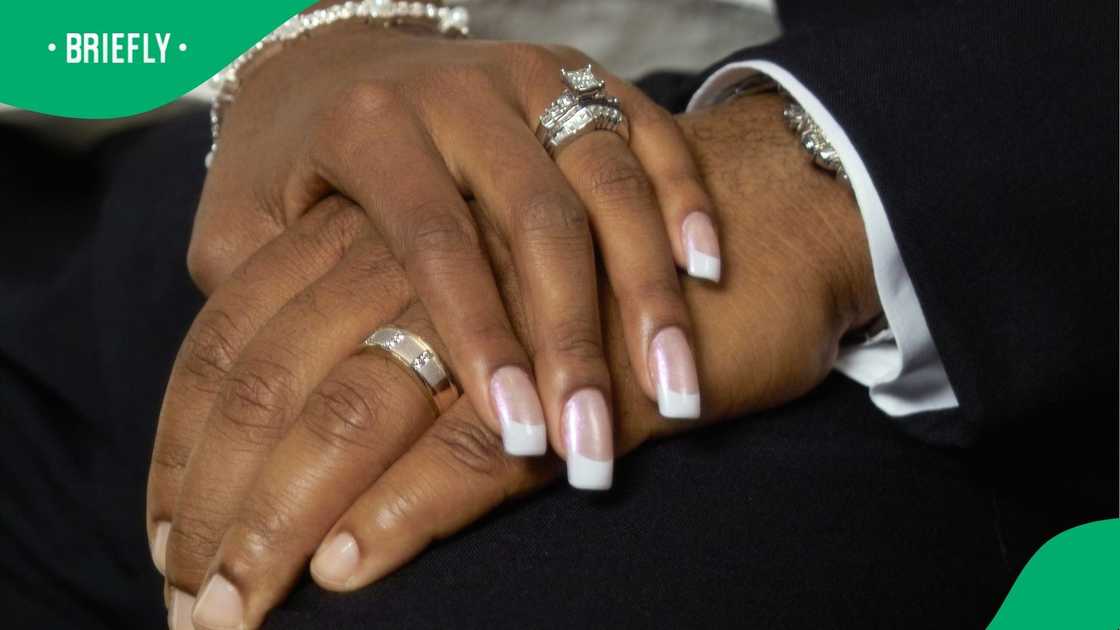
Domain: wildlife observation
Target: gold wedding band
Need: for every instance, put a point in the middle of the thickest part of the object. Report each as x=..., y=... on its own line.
x=420, y=359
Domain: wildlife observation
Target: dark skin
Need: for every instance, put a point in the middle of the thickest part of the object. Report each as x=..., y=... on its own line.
x=409, y=126
x=360, y=453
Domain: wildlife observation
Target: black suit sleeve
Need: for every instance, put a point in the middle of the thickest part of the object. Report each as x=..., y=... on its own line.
x=990, y=132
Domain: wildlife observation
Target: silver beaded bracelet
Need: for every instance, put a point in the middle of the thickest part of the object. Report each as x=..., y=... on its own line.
x=449, y=21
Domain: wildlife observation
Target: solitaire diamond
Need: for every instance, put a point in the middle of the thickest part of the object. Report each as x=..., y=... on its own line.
x=582, y=81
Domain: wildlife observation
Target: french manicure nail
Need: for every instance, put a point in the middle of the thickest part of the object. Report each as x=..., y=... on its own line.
x=673, y=371
x=159, y=546
x=219, y=606
x=336, y=561
x=179, y=612
x=587, y=438
x=519, y=410
x=701, y=246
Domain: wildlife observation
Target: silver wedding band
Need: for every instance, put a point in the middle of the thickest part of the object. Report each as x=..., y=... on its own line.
x=420, y=360
x=581, y=108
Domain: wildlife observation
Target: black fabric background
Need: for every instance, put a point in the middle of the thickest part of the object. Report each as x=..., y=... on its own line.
x=819, y=514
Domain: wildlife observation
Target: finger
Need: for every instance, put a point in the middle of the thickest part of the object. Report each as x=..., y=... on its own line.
x=549, y=235
x=661, y=148
x=232, y=315
x=665, y=156
x=453, y=475
x=406, y=188
x=221, y=241
x=635, y=249
x=245, y=201
x=229, y=227
x=358, y=421
x=266, y=388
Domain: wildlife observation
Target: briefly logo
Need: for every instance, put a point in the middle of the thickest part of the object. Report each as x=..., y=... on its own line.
x=117, y=48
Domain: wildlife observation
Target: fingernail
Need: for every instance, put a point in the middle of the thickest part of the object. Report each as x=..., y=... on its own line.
x=179, y=612
x=219, y=606
x=519, y=410
x=587, y=438
x=159, y=546
x=673, y=371
x=335, y=561
x=702, y=246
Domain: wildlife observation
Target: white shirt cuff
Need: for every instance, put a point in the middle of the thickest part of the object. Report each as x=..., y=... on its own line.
x=900, y=365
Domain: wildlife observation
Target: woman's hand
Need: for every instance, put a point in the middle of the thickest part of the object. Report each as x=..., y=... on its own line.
x=310, y=446
x=408, y=126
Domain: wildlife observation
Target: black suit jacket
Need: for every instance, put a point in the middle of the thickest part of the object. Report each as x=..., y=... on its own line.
x=990, y=132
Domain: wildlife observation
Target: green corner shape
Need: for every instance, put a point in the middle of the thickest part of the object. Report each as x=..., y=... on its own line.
x=1072, y=582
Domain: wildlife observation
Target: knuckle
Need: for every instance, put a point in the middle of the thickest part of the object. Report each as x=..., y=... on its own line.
x=577, y=339
x=379, y=263
x=365, y=105
x=660, y=290
x=267, y=200
x=171, y=457
x=377, y=272
x=552, y=215
x=256, y=400
x=209, y=351
x=687, y=184
x=321, y=245
x=342, y=416
x=523, y=63
x=342, y=223
x=267, y=522
x=438, y=229
x=367, y=100
x=653, y=117
x=467, y=445
x=191, y=544
x=616, y=180
x=488, y=330
x=395, y=512
x=207, y=263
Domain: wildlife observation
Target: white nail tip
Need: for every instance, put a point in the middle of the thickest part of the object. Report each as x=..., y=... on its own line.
x=585, y=473
x=179, y=613
x=701, y=265
x=680, y=405
x=159, y=546
x=522, y=439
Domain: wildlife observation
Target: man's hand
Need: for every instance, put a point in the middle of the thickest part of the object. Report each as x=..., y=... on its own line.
x=365, y=475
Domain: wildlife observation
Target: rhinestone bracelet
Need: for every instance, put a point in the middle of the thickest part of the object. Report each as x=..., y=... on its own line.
x=449, y=21
x=813, y=139
x=824, y=156
x=800, y=122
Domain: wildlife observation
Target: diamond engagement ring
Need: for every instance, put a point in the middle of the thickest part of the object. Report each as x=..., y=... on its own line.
x=581, y=108
x=420, y=360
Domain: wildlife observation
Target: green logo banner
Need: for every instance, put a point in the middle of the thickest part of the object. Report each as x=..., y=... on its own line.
x=1072, y=582
x=108, y=59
